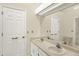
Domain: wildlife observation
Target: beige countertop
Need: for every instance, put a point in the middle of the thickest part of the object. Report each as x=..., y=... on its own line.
x=45, y=45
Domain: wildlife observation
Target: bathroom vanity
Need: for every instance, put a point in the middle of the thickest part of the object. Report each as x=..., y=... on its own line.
x=46, y=48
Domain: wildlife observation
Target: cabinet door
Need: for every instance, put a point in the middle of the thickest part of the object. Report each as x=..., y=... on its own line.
x=41, y=53
x=77, y=31
x=34, y=50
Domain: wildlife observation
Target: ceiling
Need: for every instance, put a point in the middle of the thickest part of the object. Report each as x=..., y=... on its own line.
x=32, y=6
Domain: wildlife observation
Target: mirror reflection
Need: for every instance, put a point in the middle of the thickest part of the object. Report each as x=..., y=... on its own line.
x=63, y=26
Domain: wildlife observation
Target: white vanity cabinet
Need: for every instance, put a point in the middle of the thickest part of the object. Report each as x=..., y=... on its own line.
x=36, y=51
x=41, y=53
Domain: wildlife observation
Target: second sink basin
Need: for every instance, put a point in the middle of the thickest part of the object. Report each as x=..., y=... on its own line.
x=55, y=50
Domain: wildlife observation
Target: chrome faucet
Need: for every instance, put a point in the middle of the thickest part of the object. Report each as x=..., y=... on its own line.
x=58, y=45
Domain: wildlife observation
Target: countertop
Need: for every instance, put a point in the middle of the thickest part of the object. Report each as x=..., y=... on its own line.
x=44, y=47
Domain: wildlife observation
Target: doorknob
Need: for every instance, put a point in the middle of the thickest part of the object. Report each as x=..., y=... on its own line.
x=14, y=38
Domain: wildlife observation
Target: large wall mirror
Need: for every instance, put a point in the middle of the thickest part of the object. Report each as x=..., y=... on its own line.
x=62, y=26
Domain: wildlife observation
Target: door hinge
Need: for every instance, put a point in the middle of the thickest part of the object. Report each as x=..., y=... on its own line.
x=2, y=34
x=2, y=12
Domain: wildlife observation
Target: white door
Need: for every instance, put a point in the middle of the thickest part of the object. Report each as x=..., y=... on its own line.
x=55, y=27
x=0, y=31
x=14, y=30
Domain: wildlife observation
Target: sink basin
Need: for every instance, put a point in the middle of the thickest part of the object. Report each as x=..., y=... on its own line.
x=55, y=50
x=50, y=48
